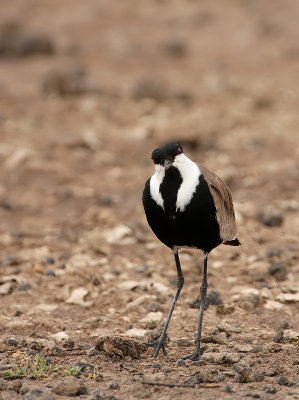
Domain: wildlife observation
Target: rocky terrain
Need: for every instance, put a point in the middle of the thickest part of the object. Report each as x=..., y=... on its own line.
x=87, y=91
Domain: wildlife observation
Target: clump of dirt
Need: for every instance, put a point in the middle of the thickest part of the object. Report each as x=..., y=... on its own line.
x=120, y=347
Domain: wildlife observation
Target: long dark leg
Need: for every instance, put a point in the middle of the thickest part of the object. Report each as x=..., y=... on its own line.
x=160, y=343
x=203, y=290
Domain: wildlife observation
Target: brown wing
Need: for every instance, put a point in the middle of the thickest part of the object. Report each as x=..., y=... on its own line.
x=223, y=203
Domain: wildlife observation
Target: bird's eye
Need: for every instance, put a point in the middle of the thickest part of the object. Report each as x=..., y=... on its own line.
x=179, y=151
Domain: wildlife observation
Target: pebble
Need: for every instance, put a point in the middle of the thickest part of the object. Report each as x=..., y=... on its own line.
x=213, y=298
x=283, y=380
x=221, y=358
x=270, y=217
x=7, y=287
x=113, y=386
x=17, y=42
x=270, y=389
x=37, y=394
x=70, y=387
x=278, y=337
x=184, y=342
x=244, y=373
x=288, y=297
x=137, y=333
x=243, y=348
x=11, y=341
x=229, y=328
x=3, y=384
x=24, y=286
x=181, y=363
x=278, y=271
x=273, y=305
x=152, y=319
x=77, y=297
x=59, y=336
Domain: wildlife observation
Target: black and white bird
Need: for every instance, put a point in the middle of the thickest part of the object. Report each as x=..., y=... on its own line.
x=186, y=205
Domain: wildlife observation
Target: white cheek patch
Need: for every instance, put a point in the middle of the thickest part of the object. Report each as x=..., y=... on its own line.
x=190, y=173
x=155, y=183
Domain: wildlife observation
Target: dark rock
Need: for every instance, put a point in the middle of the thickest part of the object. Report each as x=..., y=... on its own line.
x=149, y=89
x=181, y=363
x=72, y=82
x=195, y=303
x=156, y=365
x=12, y=261
x=284, y=325
x=278, y=271
x=16, y=386
x=70, y=387
x=68, y=344
x=50, y=272
x=85, y=368
x=270, y=389
x=258, y=376
x=11, y=341
x=24, y=287
x=227, y=389
x=278, y=337
x=244, y=372
x=114, y=386
x=213, y=298
x=37, y=394
x=283, y=380
x=96, y=395
x=50, y=260
x=16, y=42
x=18, y=313
x=3, y=384
x=270, y=217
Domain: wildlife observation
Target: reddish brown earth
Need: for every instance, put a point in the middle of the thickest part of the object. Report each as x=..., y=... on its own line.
x=222, y=79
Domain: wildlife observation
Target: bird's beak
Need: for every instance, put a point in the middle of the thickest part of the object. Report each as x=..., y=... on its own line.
x=167, y=164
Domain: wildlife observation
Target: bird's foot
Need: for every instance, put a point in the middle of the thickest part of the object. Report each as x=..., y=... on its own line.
x=157, y=345
x=193, y=357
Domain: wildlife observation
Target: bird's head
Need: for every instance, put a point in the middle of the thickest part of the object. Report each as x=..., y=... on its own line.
x=167, y=155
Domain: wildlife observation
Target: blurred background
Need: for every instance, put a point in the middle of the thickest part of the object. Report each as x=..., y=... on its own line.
x=87, y=91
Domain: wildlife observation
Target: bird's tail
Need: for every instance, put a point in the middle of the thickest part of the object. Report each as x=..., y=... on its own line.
x=233, y=242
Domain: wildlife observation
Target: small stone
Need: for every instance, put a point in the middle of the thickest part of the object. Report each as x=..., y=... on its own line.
x=258, y=376
x=184, y=342
x=273, y=305
x=243, y=348
x=270, y=389
x=257, y=348
x=152, y=319
x=69, y=387
x=24, y=286
x=283, y=380
x=278, y=337
x=278, y=271
x=227, y=389
x=181, y=363
x=154, y=307
x=60, y=336
x=213, y=298
x=3, y=384
x=156, y=365
x=270, y=217
x=114, y=386
x=11, y=341
x=288, y=297
x=229, y=328
x=224, y=310
x=77, y=297
x=68, y=344
x=244, y=372
x=166, y=369
x=7, y=287
x=37, y=394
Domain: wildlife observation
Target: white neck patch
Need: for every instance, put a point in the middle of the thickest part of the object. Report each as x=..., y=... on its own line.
x=155, y=183
x=190, y=173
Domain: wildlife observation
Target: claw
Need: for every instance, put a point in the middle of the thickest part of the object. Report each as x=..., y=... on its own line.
x=157, y=345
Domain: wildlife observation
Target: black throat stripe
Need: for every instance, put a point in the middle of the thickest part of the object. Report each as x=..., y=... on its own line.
x=169, y=190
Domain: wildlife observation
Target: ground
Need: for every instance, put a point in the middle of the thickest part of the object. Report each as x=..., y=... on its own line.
x=87, y=91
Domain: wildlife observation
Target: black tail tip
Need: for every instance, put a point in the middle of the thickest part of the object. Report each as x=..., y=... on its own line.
x=234, y=242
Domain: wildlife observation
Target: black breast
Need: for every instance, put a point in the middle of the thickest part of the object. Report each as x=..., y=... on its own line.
x=196, y=226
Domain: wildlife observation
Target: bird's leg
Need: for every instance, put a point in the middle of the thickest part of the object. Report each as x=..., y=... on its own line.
x=160, y=343
x=203, y=290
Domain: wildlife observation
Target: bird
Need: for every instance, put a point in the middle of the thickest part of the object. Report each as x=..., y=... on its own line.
x=187, y=206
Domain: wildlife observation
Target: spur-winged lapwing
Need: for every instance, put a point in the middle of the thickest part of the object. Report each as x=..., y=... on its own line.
x=186, y=205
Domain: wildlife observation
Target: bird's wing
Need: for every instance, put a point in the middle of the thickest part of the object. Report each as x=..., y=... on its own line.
x=223, y=203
